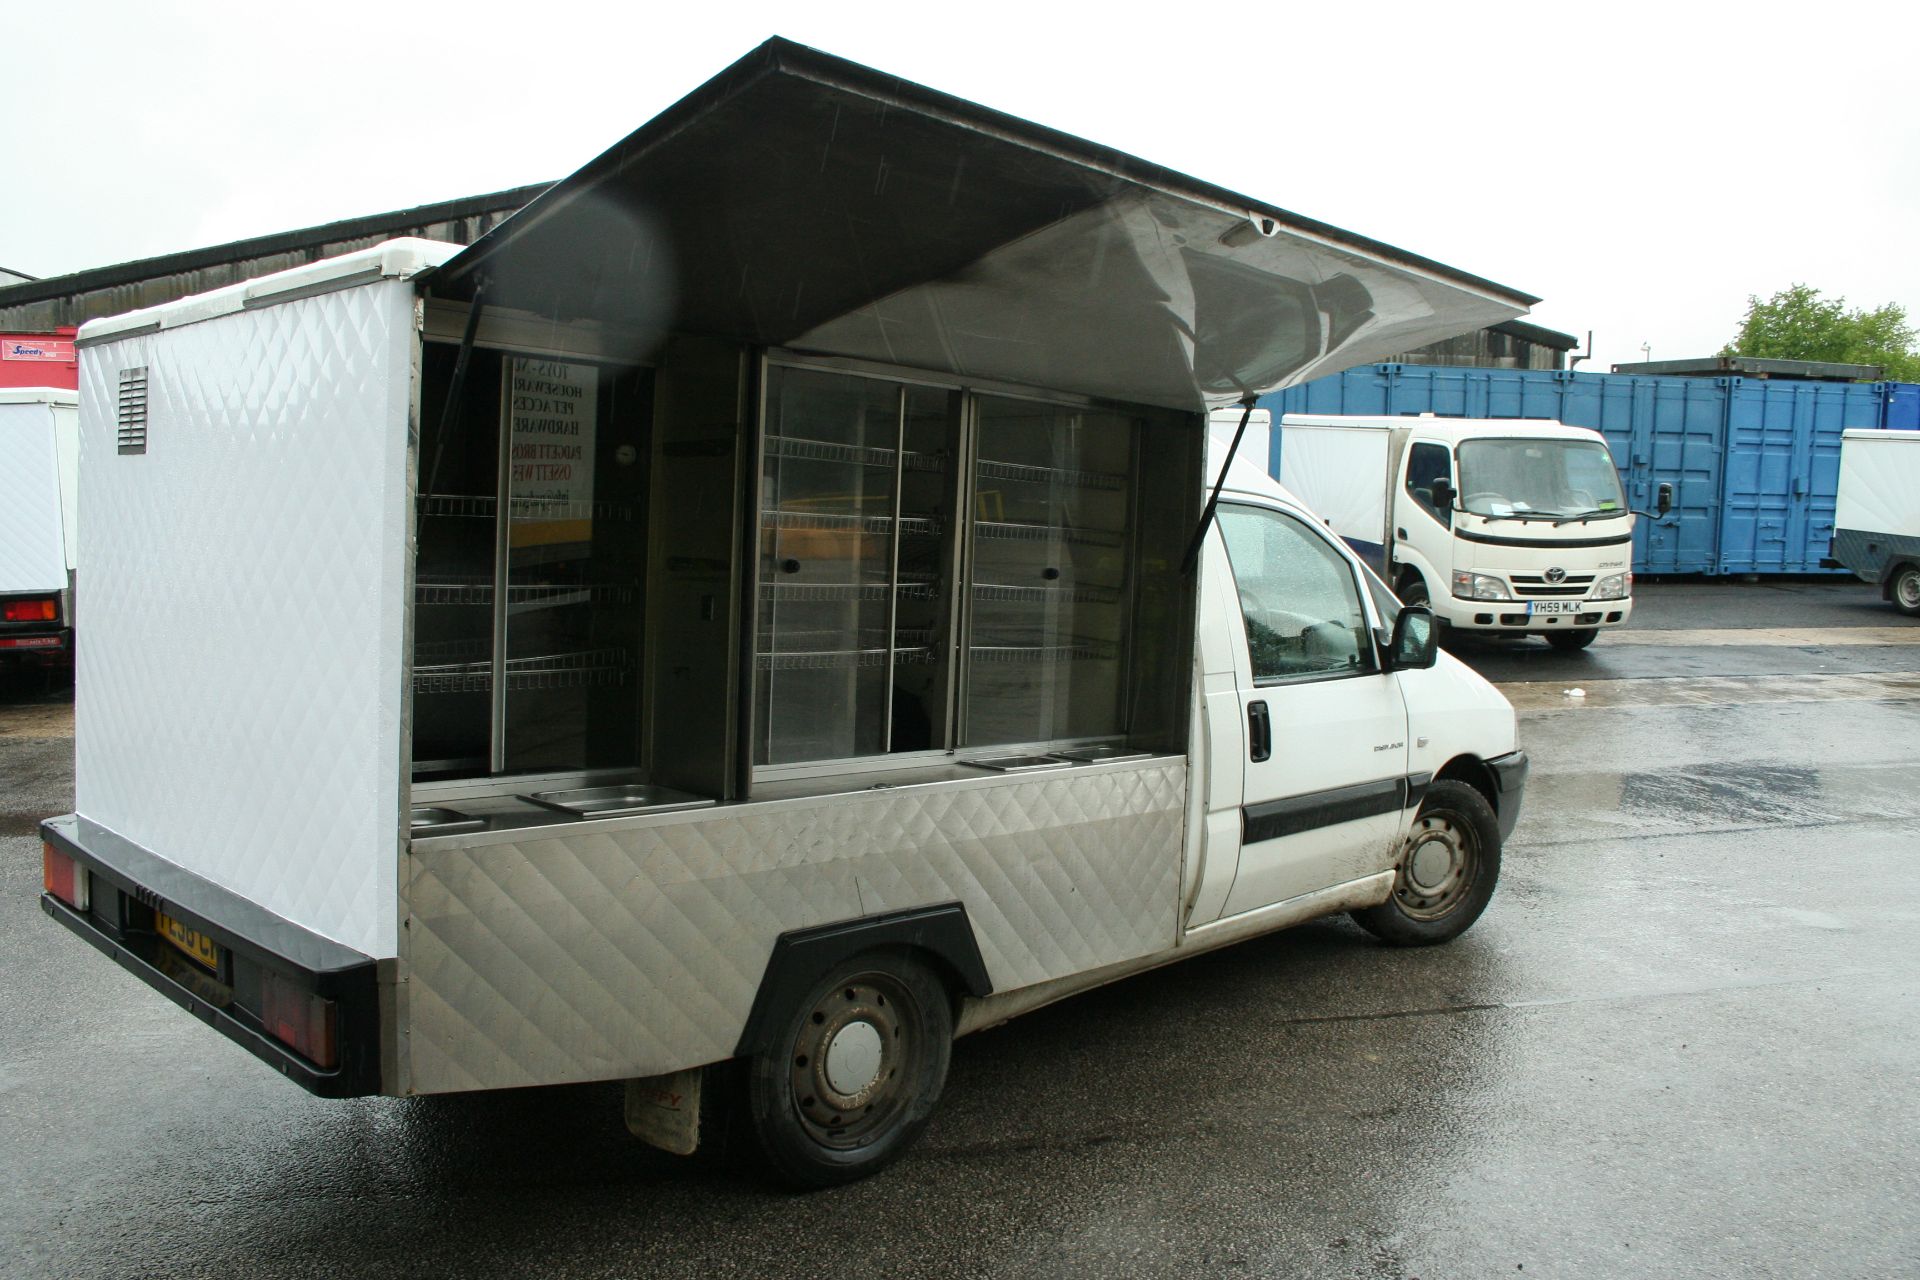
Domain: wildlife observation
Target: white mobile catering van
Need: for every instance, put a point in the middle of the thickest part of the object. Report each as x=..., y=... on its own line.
x=1500, y=526
x=39, y=461
x=676, y=640
x=1876, y=514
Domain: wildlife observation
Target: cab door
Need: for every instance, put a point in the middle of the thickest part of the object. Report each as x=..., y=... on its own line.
x=1325, y=761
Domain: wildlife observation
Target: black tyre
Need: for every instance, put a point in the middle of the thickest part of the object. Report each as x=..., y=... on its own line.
x=855, y=1068
x=1568, y=641
x=1904, y=590
x=1447, y=871
x=1413, y=591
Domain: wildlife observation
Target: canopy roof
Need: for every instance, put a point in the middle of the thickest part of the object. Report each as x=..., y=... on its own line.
x=801, y=201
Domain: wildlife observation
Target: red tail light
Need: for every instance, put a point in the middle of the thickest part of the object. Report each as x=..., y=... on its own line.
x=300, y=1020
x=64, y=878
x=30, y=611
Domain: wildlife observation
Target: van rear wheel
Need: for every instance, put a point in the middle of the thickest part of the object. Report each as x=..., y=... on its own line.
x=1446, y=873
x=852, y=1074
x=1904, y=590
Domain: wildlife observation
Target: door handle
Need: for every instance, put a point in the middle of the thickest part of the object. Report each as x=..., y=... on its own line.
x=1259, y=732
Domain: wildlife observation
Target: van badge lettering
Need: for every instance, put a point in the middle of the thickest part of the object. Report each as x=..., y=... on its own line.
x=1556, y=574
x=1389, y=746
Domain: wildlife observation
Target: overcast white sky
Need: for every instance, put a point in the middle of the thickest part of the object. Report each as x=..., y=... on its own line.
x=1642, y=167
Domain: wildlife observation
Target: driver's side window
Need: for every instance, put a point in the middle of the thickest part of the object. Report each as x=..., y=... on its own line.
x=1425, y=464
x=1298, y=595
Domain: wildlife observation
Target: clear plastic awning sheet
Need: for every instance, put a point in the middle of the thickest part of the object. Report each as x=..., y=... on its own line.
x=801, y=201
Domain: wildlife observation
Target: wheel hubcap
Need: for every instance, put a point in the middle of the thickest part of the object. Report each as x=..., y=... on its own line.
x=1908, y=589
x=1437, y=870
x=853, y=1060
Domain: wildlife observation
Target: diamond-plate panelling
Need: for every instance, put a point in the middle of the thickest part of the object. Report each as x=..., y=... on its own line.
x=637, y=950
x=32, y=551
x=239, y=689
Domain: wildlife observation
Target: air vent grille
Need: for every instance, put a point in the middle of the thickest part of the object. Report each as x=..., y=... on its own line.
x=131, y=413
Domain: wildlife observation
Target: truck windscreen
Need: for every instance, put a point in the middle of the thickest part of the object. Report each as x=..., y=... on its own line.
x=1547, y=479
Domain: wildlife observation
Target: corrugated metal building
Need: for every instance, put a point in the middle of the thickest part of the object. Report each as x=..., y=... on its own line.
x=1515, y=344
x=41, y=306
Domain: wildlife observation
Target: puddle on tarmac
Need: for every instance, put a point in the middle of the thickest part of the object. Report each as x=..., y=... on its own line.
x=1723, y=795
x=1706, y=797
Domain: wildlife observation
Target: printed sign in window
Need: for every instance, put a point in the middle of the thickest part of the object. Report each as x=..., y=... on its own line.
x=552, y=407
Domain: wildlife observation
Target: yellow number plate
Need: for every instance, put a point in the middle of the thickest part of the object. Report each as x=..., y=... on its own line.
x=196, y=945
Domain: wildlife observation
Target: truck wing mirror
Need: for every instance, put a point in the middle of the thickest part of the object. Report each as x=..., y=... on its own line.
x=1443, y=494
x=1416, y=640
x=1665, y=499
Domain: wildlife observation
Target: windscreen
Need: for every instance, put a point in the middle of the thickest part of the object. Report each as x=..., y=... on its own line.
x=1542, y=478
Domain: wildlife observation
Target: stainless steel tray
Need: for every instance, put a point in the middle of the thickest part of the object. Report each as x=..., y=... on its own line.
x=1019, y=764
x=1092, y=755
x=431, y=820
x=598, y=802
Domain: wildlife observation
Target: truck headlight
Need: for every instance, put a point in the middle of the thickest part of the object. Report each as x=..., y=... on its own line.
x=1616, y=586
x=1478, y=586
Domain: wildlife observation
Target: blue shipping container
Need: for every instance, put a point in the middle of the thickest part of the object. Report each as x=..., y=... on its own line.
x=1753, y=464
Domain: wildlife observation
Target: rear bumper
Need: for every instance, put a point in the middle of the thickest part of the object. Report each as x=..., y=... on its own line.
x=54, y=644
x=1510, y=777
x=129, y=884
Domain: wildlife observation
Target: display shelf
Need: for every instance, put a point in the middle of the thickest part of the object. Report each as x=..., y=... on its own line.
x=910, y=526
x=584, y=669
x=796, y=448
x=825, y=639
x=997, y=592
x=441, y=652
x=476, y=505
x=1071, y=650
x=461, y=590
x=1023, y=473
x=833, y=659
x=1012, y=531
x=822, y=591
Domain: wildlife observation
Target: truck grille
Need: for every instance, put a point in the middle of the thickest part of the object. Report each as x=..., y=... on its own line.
x=1534, y=584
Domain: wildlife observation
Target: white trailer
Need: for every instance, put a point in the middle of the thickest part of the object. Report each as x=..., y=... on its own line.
x=1500, y=526
x=1876, y=518
x=39, y=463
x=637, y=678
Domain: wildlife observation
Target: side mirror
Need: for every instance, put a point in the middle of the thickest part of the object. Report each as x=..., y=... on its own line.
x=1416, y=640
x=1443, y=494
x=1664, y=500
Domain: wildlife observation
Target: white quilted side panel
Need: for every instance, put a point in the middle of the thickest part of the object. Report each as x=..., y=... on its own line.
x=33, y=554
x=1879, y=473
x=239, y=685
x=633, y=951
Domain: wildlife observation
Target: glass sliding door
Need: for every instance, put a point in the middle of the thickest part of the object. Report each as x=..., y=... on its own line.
x=454, y=567
x=855, y=531
x=575, y=566
x=1050, y=572
x=531, y=562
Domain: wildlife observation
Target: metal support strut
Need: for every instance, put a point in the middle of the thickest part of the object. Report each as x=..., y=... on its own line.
x=1213, y=500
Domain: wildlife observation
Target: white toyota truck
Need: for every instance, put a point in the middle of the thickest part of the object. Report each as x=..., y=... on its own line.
x=1500, y=526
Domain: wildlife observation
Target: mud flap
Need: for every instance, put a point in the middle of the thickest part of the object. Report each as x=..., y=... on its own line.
x=664, y=1111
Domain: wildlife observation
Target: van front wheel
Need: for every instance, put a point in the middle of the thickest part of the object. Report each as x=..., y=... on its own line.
x=1567, y=641
x=852, y=1073
x=1446, y=873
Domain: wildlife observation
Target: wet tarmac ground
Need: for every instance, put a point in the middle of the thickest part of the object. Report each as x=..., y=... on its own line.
x=1684, y=1041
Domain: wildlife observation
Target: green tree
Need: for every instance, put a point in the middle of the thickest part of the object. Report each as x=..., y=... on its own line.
x=1798, y=324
